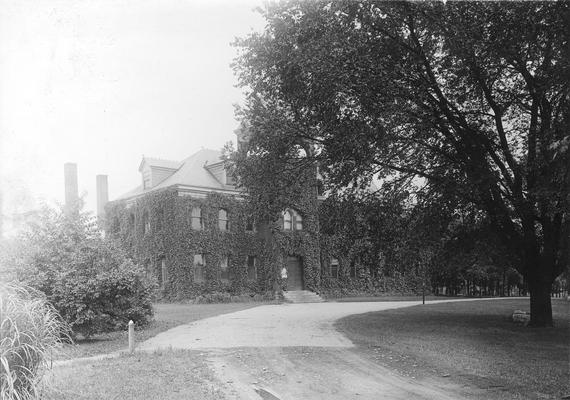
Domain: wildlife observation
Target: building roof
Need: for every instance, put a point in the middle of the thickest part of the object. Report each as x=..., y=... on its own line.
x=159, y=162
x=191, y=171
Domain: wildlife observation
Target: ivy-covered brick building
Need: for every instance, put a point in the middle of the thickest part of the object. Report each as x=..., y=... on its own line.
x=191, y=228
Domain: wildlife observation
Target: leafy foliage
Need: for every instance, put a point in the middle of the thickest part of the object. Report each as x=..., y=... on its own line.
x=88, y=279
x=470, y=96
x=30, y=329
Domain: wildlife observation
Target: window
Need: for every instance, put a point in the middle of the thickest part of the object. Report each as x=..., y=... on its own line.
x=334, y=268
x=159, y=218
x=353, y=269
x=298, y=222
x=320, y=187
x=199, y=264
x=116, y=227
x=131, y=220
x=223, y=221
x=251, y=268
x=146, y=179
x=145, y=223
x=224, y=268
x=292, y=220
x=250, y=224
x=287, y=221
x=162, y=273
x=196, y=218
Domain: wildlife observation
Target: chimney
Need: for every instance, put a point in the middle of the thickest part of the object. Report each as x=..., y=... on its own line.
x=71, y=191
x=102, y=195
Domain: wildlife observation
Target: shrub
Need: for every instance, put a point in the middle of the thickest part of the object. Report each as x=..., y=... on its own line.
x=88, y=279
x=30, y=328
x=105, y=301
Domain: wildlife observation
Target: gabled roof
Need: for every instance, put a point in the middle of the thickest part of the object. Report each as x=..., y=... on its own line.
x=159, y=162
x=191, y=172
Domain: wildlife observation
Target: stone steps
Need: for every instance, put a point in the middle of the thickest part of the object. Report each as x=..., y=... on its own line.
x=302, y=296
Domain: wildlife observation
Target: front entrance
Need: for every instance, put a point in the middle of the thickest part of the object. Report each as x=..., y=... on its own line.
x=294, y=273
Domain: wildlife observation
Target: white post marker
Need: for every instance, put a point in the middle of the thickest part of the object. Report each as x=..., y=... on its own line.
x=131, y=336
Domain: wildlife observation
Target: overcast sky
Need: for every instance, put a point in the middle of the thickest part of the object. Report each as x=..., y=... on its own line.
x=100, y=83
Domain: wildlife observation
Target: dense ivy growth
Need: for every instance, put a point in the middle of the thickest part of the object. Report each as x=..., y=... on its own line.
x=156, y=229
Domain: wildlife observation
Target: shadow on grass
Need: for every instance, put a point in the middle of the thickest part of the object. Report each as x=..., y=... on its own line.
x=472, y=342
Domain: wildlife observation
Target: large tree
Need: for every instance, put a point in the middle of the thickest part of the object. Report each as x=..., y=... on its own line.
x=470, y=96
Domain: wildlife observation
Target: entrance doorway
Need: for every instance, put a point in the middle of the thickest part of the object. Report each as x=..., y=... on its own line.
x=294, y=273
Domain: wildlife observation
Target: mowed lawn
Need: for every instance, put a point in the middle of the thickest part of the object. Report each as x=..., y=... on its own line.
x=169, y=375
x=472, y=343
x=166, y=316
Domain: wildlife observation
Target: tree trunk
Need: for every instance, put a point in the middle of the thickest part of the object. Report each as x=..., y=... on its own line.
x=540, y=304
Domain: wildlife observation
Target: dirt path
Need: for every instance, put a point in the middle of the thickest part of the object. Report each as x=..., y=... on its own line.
x=292, y=351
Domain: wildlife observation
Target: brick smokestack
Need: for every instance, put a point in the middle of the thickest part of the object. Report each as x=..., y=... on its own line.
x=71, y=191
x=102, y=195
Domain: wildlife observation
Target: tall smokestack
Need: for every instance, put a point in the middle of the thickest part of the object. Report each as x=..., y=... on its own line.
x=102, y=195
x=71, y=191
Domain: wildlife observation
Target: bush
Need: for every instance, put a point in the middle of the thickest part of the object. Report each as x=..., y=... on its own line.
x=30, y=328
x=88, y=279
x=106, y=301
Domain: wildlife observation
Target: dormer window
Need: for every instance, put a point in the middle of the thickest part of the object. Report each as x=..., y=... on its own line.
x=223, y=220
x=292, y=220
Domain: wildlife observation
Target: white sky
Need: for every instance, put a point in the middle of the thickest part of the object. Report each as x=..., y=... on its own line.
x=101, y=83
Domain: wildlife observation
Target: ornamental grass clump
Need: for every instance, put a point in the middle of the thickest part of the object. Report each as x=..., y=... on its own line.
x=30, y=329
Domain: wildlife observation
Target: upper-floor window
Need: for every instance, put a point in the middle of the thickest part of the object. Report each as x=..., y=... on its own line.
x=145, y=222
x=116, y=226
x=292, y=220
x=250, y=224
x=223, y=220
x=159, y=218
x=334, y=268
x=196, y=218
x=287, y=220
x=224, y=268
x=251, y=268
x=199, y=266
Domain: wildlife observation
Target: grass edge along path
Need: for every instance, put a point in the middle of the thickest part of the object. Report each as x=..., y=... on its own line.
x=167, y=316
x=473, y=343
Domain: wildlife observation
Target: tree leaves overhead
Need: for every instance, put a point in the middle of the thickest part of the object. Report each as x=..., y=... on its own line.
x=471, y=96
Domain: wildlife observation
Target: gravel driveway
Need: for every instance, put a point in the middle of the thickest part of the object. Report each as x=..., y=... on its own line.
x=292, y=351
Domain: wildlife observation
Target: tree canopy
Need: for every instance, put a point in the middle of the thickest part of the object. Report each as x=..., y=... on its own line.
x=470, y=96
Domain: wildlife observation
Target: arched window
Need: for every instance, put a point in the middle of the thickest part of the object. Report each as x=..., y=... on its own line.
x=223, y=220
x=292, y=220
x=287, y=220
x=196, y=218
x=298, y=222
x=145, y=223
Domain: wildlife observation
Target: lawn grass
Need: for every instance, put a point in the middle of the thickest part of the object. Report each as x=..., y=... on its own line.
x=169, y=375
x=472, y=343
x=166, y=316
x=359, y=299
